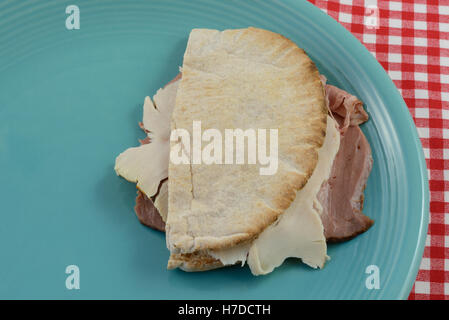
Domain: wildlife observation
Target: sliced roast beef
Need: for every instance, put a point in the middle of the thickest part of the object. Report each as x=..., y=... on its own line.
x=341, y=197
x=147, y=212
x=346, y=108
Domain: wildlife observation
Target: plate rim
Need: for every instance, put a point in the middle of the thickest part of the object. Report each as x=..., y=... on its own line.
x=339, y=30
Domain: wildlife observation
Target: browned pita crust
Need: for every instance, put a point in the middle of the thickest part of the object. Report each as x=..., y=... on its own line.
x=197, y=261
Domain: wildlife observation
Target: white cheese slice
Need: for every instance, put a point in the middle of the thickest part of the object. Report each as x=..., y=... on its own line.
x=156, y=118
x=298, y=232
x=147, y=165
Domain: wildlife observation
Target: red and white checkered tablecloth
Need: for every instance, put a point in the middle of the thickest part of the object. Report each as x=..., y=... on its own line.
x=410, y=39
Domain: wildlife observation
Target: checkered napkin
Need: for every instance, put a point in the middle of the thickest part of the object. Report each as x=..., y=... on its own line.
x=410, y=39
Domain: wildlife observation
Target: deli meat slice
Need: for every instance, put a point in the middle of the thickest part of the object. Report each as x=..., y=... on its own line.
x=346, y=108
x=341, y=197
x=147, y=213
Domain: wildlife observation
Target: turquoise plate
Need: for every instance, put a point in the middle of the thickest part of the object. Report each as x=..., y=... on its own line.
x=70, y=101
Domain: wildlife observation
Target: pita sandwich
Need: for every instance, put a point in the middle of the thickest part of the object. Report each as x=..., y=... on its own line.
x=220, y=214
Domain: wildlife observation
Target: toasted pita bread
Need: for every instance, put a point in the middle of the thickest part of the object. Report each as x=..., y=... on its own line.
x=246, y=78
x=197, y=261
